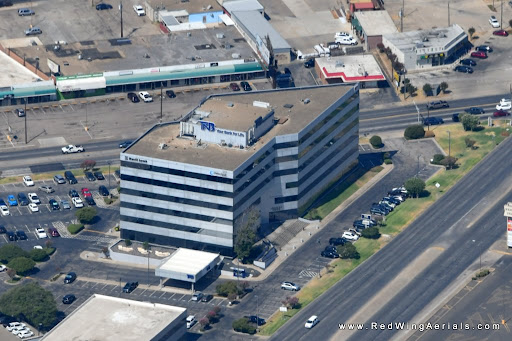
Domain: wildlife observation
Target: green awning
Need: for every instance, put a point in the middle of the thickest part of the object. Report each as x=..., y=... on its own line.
x=356, y=25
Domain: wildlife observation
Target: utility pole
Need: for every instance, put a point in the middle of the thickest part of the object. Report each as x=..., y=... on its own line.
x=121, y=10
x=501, y=16
x=161, y=107
x=86, y=128
x=149, y=247
x=26, y=121
x=448, y=13
x=449, y=143
x=418, y=110
x=402, y=14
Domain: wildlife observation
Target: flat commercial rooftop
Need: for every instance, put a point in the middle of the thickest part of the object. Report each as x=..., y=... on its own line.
x=376, y=23
x=141, y=51
x=292, y=121
x=108, y=318
x=350, y=68
x=194, y=6
x=436, y=38
x=188, y=261
x=13, y=73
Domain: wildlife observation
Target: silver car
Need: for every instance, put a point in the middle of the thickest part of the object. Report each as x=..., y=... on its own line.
x=65, y=204
x=33, y=31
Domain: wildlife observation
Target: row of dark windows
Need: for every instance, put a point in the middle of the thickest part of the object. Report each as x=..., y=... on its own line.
x=282, y=200
x=176, y=186
x=255, y=176
x=205, y=204
x=177, y=172
x=161, y=224
x=175, y=213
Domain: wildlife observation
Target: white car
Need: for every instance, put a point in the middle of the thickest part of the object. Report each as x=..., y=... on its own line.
x=342, y=34
x=350, y=236
x=290, y=286
x=14, y=325
x=144, y=95
x=139, y=10
x=33, y=207
x=19, y=330
x=346, y=41
x=78, y=202
x=34, y=198
x=191, y=320
x=2, y=268
x=26, y=333
x=392, y=205
x=38, y=247
x=505, y=104
x=311, y=322
x=27, y=180
x=4, y=210
x=41, y=233
x=494, y=22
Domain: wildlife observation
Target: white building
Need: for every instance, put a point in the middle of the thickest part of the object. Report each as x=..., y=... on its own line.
x=192, y=183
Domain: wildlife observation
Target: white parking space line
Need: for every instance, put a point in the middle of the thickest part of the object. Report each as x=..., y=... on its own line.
x=162, y=294
x=142, y=293
x=114, y=288
x=152, y=293
x=95, y=284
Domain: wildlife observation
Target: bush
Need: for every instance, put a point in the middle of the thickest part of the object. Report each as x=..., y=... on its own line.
x=127, y=242
x=436, y=160
x=427, y=89
x=86, y=215
x=414, y=132
x=38, y=255
x=470, y=143
x=449, y=162
x=75, y=228
x=49, y=250
x=376, y=141
x=226, y=288
x=482, y=273
x=388, y=161
x=291, y=302
x=243, y=326
x=414, y=186
x=371, y=233
x=348, y=251
x=88, y=164
x=145, y=245
x=108, y=201
x=11, y=251
x=204, y=323
x=22, y=265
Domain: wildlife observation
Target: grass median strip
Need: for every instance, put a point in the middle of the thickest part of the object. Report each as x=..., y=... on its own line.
x=50, y=175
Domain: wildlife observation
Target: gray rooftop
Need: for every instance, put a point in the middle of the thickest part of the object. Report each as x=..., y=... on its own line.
x=242, y=5
x=109, y=318
x=256, y=24
x=292, y=121
x=436, y=39
x=376, y=23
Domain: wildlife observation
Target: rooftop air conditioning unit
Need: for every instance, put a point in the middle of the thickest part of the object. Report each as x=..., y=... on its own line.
x=162, y=146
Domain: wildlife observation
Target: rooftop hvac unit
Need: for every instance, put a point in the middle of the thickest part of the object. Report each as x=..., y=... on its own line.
x=220, y=35
x=339, y=63
x=261, y=104
x=230, y=104
x=162, y=146
x=307, y=100
x=235, y=55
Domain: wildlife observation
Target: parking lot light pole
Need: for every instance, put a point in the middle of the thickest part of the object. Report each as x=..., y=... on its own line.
x=149, y=247
x=109, y=163
x=449, y=143
x=257, y=312
x=26, y=121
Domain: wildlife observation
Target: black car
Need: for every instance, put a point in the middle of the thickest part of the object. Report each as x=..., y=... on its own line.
x=90, y=201
x=309, y=63
x=255, y=319
x=103, y=191
x=132, y=96
x=329, y=254
x=287, y=71
x=455, y=117
x=125, y=144
x=130, y=286
x=101, y=7
x=474, y=111
x=89, y=176
x=331, y=248
x=432, y=121
x=464, y=69
x=337, y=241
x=54, y=204
x=11, y=236
x=393, y=200
x=2, y=229
x=378, y=211
x=206, y=298
x=70, y=278
x=386, y=207
x=70, y=177
x=99, y=176
x=68, y=299
x=358, y=224
x=170, y=94
x=22, y=199
x=468, y=62
x=21, y=235
x=437, y=105
x=246, y=86
x=484, y=48
x=73, y=194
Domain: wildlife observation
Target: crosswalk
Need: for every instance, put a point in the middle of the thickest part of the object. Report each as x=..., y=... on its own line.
x=64, y=233
x=307, y=273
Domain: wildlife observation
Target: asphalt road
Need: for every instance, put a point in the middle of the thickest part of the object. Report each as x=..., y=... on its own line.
x=487, y=181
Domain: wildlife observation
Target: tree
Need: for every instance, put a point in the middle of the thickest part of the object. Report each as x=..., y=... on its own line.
x=88, y=164
x=449, y=162
x=31, y=302
x=243, y=326
x=22, y=265
x=145, y=246
x=204, y=323
x=414, y=186
x=38, y=255
x=436, y=160
x=376, y=141
x=399, y=66
x=226, y=288
x=211, y=316
x=216, y=310
x=414, y=132
x=11, y=273
x=427, y=89
x=471, y=31
x=411, y=89
x=348, y=251
x=371, y=233
x=291, y=302
x=469, y=143
x=443, y=86
x=244, y=241
x=86, y=215
x=469, y=122
x=11, y=251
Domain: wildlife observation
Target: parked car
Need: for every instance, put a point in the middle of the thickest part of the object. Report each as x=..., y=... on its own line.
x=455, y=117
x=309, y=63
x=234, y=87
x=86, y=192
x=70, y=177
x=191, y=320
x=54, y=205
x=331, y=248
x=13, y=325
x=130, y=286
x=246, y=86
x=378, y=211
x=484, y=48
x=65, y=204
x=501, y=113
x=505, y=104
x=464, y=69
x=207, y=298
x=19, y=112
x=46, y=189
x=4, y=210
x=139, y=10
x=21, y=235
x=11, y=200
x=27, y=180
x=25, y=11
x=59, y=179
x=430, y=121
x=22, y=199
x=290, y=286
x=337, y=241
x=25, y=334
x=103, y=191
x=73, y=194
x=437, y=105
x=125, y=144
x=350, y=236
x=34, y=198
x=255, y=319
x=41, y=233
x=2, y=229
x=197, y=296
x=474, y=111
x=89, y=176
x=382, y=207
x=77, y=202
x=11, y=236
x=468, y=62
x=70, y=278
x=53, y=232
x=311, y=322
x=99, y=176
x=33, y=207
x=90, y=201
x=100, y=7
x=33, y=31
x=501, y=33
x=328, y=254
x=145, y=96
x=358, y=224
x=393, y=199
x=170, y=94
x=68, y=299
x=494, y=22
x=132, y=96
x=479, y=54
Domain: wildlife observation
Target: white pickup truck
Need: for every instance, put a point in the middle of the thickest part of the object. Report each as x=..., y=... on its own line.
x=72, y=149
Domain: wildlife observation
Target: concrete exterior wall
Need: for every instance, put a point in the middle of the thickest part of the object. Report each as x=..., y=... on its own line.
x=132, y=259
x=372, y=42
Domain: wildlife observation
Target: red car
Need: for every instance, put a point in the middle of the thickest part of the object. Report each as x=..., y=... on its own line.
x=234, y=87
x=53, y=232
x=86, y=192
x=479, y=54
x=500, y=113
x=502, y=33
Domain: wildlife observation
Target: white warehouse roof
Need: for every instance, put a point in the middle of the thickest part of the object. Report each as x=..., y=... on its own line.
x=187, y=265
x=242, y=5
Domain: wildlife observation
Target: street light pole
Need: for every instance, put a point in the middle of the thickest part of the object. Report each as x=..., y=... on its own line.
x=121, y=10
x=449, y=143
x=501, y=16
x=448, y=13
x=257, y=311
x=26, y=121
x=148, y=263
x=109, y=162
x=161, y=107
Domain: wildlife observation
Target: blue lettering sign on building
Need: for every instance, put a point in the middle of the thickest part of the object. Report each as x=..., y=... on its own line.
x=207, y=126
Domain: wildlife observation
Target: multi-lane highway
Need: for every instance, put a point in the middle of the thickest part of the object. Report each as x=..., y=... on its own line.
x=471, y=210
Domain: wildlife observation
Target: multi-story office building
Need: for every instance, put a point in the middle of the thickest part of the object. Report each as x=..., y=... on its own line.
x=192, y=183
